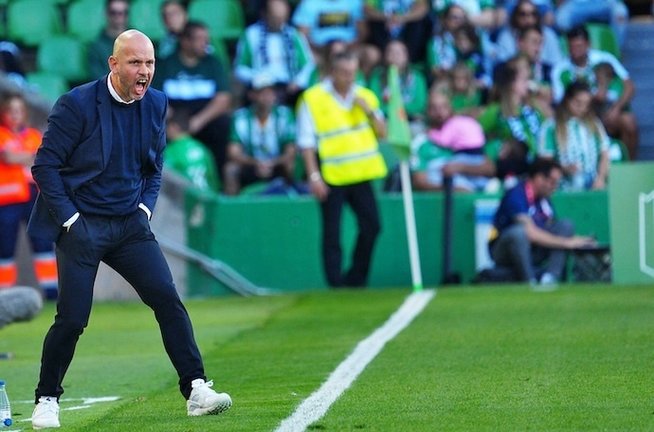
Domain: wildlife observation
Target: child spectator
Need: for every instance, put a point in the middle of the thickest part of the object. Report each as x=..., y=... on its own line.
x=577, y=140
x=412, y=82
x=609, y=87
x=470, y=49
x=466, y=96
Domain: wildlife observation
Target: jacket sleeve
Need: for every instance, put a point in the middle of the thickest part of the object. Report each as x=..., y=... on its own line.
x=59, y=140
x=153, y=179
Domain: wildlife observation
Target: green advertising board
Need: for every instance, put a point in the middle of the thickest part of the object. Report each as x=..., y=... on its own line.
x=631, y=204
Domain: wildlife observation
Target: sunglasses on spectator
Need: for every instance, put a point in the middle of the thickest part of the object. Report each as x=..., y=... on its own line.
x=117, y=12
x=524, y=13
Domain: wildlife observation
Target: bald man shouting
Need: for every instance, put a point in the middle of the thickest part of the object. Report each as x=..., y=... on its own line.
x=99, y=173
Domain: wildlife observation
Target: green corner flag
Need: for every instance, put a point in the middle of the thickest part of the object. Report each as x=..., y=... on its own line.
x=399, y=138
x=399, y=134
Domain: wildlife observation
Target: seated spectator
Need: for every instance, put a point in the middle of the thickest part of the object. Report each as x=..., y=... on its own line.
x=262, y=141
x=576, y=139
x=609, y=88
x=471, y=51
x=18, y=192
x=540, y=92
x=195, y=80
x=19, y=303
x=322, y=21
x=574, y=13
x=407, y=21
x=174, y=16
x=483, y=14
x=412, y=82
x=271, y=46
x=524, y=16
x=187, y=156
x=441, y=52
x=117, y=16
x=526, y=238
x=618, y=120
x=456, y=39
x=530, y=44
x=511, y=123
x=452, y=147
x=464, y=92
x=545, y=9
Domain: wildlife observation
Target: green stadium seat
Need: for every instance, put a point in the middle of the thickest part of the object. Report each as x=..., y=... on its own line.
x=72, y=67
x=144, y=15
x=223, y=18
x=46, y=84
x=222, y=53
x=603, y=38
x=85, y=19
x=30, y=22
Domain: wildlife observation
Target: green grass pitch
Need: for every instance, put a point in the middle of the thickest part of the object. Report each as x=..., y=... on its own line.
x=501, y=358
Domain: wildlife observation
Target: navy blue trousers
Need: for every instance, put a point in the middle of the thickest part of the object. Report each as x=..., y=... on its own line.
x=127, y=245
x=361, y=199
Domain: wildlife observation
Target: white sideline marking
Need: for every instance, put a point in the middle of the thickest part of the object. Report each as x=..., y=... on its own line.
x=86, y=403
x=317, y=404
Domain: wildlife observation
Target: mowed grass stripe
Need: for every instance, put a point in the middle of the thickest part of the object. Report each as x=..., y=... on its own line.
x=508, y=359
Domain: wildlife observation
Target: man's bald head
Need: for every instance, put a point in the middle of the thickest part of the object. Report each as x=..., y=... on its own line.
x=129, y=37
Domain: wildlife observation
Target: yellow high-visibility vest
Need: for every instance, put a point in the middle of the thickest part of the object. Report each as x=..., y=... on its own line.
x=347, y=146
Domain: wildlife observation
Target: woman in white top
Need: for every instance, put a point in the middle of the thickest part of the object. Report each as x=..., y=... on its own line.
x=576, y=138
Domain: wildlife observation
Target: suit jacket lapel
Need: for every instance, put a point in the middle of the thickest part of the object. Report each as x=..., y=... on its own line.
x=104, y=109
x=146, y=132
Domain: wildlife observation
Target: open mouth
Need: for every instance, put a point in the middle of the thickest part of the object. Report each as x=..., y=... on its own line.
x=141, y=85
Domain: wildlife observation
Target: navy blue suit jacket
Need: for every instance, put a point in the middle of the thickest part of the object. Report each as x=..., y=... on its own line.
x=76, y=147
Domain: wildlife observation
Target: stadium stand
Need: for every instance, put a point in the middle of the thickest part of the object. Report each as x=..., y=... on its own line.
x=224, y=18
x=30, y=22
x=49, y=58
x=49, y=85
x=145, y=16
x=85, y=19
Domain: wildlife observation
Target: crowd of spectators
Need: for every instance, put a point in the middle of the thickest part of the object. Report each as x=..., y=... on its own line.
x=502, y=68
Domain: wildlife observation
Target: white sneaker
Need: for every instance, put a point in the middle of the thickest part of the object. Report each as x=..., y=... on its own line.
x=205, y=401
x=46, y=413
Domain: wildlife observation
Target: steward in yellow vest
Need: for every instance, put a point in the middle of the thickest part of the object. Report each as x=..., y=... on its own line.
x=338, y=125
x=347, y=145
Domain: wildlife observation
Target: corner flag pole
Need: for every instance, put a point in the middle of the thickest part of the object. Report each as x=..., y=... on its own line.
x=410, y=221
x=399, y=137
